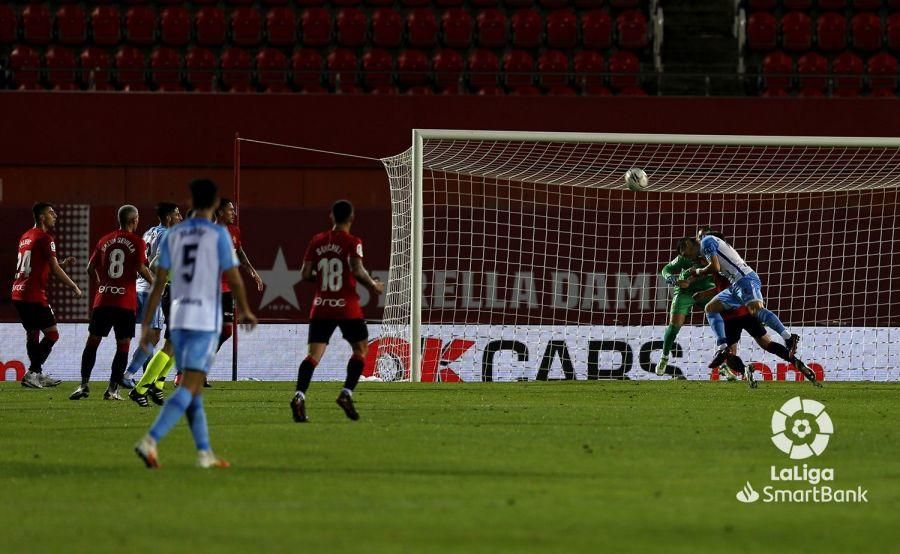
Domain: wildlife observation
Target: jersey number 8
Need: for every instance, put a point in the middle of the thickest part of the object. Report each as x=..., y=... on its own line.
x=116, y=263
x=332, y=272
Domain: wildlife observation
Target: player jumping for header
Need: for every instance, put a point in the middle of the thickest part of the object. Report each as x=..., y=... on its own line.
x=745, y=290
x=337, y=257
x=36, y=260
x=196, y=252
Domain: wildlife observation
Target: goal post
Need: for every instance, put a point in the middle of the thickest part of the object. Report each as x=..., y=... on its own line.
x=522, y=255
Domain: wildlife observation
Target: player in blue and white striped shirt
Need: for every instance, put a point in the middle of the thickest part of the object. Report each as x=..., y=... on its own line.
x=745, y=290
x=194, y=254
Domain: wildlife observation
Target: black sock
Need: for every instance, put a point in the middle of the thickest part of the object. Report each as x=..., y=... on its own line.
x=88, y=358
x=779, y=350
x=33, y=348
x=354, y=369
x=305, y=373
x=225, y=335
x=119, y=365
x=736, y=364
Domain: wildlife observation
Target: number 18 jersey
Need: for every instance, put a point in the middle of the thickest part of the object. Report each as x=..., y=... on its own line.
x=196, y=252
x=336, y=296
x=117, y=258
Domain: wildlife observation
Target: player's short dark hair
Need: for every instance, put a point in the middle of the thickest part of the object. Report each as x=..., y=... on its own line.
x=190, y=213
x=203, y=193
x=682, y=243
x=125, y=214
x=223, y=202
x=341, y=211
x=38, y=209
x=165, y=209
x=707, y=230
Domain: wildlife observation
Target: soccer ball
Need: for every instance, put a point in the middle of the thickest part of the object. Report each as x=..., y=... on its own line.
x=636, y=179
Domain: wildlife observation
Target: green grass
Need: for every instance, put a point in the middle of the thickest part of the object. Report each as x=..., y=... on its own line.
x=554, y=467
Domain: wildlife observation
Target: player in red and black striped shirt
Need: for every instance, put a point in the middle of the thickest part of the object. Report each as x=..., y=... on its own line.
x=36, y=260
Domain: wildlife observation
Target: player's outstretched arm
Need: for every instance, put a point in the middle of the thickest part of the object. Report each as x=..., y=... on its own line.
x=705, y=295
x=60, y=274
x=709, y=269
x=244, y=314
x=359, y=271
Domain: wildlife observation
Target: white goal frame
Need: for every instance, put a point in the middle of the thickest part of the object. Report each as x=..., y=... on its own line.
x=419, y=136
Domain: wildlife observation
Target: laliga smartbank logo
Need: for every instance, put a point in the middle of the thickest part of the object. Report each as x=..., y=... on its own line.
x=801, y=428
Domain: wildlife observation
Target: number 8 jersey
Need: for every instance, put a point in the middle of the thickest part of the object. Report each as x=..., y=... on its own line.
x=117, y=258
x=196, y=252
x=336, y=296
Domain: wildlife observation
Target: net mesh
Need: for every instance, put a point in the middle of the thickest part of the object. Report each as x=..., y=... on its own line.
x=538, y=263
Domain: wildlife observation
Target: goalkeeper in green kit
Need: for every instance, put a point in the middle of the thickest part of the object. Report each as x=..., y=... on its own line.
x=677, y=274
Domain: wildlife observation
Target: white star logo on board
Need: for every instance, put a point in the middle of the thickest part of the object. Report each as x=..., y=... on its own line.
x=280, y=282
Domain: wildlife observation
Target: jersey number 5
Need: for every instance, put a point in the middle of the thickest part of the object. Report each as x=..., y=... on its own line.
x=332, y=272
x=189, y=261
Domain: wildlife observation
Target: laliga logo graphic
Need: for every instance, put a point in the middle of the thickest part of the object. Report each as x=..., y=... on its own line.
x=801, y=428
x=747, y=494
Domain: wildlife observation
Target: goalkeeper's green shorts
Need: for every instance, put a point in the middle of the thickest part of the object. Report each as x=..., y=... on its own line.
x=682, y=303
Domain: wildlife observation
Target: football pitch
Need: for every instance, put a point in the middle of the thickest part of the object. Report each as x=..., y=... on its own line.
x=516, y=467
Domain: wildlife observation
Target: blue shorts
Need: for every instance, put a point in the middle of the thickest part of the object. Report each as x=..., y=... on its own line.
x=195, y=350
x=743, y=291
x=158, y=318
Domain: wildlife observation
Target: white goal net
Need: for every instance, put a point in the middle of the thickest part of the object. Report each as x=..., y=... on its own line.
x=522, y=256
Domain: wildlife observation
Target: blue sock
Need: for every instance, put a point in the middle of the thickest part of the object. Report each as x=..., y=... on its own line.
x=196, y=417
x=171, y=412
x=771, y=321
x=718, y=326
x=140, y=358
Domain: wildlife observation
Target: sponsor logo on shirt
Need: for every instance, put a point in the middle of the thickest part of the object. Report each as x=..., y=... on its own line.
x=331, y=302
x=104, y=289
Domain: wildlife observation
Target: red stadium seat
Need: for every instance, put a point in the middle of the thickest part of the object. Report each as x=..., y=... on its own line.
x=343, y=70
x=387, y=28
x=866, y=32
x=777, y=69
x=271, y=67
x=201, y=69
x=812, y=68
x=60, y=64
x=165, y=69
x=796, y=32
x=378, y=67
x=624, y=68
x=589, y=68
x=175, y=26
x=131, y=67
x=775, y=92
x=832, y=4
x=7, y=24
x=456, y=24
x=893, y=31
x=527, y=26
x=246, y=26
x=306, y=69
x=596, y=30
x=831, y=30
x=631, y=26
x=237, y=66
x=105, y=26
x=527, y=90
x=140, y=25
x=281, y=26
x=882, y=69
x=448, y=67
x=562, y=29
x=37, y=25
x=810, y=93
x=422, y=28
x=847, y=68
x=518, y=67
x=883, y=93
x=210, y=26
x=801, y=5
x=412, y=68
x=95, y=66
x=491, y=25
x=483, y=69
x=553, y=67
x=758, y=5
x=71, y=25
x=315, y=27
x=761, y=31
x=25, y=64
x=351, y=27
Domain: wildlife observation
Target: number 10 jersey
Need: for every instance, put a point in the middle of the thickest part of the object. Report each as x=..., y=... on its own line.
x=196, y=252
